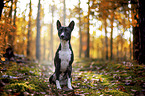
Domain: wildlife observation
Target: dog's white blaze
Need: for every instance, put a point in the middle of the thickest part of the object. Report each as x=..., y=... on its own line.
x=62, y=33
x=69, y=83
x=58, y=84
x=64, y=55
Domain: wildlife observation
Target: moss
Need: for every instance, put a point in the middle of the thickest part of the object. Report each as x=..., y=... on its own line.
x=116, y=93
x=21, y=87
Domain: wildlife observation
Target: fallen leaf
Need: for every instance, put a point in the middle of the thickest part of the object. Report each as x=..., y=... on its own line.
x=3, y=58
x=133, y=90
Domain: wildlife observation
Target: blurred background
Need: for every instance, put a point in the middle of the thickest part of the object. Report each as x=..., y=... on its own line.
x=103, y=28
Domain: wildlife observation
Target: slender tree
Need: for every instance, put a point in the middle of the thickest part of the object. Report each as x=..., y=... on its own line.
x=29, y=31
x=51, y=33
x=136, y=42
x=106, y=38
x=44, y=47
x=38, y=33
x=111, y=40
x=64, y=12
x=15, y=11
x=141, y=31
x=88, y=32
x=80, y=31
x=130, y=45
x=11, y=10
x=1, y=7
x=10, y=36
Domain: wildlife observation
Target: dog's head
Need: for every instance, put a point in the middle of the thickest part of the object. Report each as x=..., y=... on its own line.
x=64, y=33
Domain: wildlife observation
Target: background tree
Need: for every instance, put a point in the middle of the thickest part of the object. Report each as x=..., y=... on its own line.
x=141, y=31
x=80, y=31
x=51, y=33
x=64, y=12
x=108, y=18
x=78, y=11
x=15, y=11
x=1, y=7
x=88, y=32
x=29, y=35
x=111, y=38
x=38, y=33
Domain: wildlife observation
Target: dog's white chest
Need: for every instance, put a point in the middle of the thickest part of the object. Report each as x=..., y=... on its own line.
x=64, y=55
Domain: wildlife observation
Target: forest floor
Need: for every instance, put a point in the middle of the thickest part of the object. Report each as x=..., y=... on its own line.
x=89, y=78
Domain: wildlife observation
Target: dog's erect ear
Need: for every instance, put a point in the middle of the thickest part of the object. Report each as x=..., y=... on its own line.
x=71, y=25
x=58, y=24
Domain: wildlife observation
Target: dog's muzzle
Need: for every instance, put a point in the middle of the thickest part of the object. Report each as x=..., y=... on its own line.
x=62, y=37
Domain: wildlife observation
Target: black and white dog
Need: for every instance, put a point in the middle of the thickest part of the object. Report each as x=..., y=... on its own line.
x=63, y=58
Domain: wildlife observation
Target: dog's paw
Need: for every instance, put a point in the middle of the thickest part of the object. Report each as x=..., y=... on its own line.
x=69, y=84
x=70, y=87
x=58, y=85
x=59, y=88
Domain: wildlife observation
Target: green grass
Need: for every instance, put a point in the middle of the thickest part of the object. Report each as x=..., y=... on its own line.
x=30, y=79
x=112, y=78
x=89, y=78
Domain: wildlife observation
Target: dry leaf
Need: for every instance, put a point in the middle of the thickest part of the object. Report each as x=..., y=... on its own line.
x=3, y=58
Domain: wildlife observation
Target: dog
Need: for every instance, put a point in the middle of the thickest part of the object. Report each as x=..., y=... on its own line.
x=63, y=58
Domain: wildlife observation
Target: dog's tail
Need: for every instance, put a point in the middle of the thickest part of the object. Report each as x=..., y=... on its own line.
x=51, y=81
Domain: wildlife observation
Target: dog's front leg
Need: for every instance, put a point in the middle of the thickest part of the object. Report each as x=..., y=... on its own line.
x=57, y=70
x=69, y=78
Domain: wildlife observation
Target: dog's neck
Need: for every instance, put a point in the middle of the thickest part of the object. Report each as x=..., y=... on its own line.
x=64, y=44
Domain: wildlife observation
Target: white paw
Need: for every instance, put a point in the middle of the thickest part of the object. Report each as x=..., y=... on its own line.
x=70, y=87
x=69, y=83
x=58, y=84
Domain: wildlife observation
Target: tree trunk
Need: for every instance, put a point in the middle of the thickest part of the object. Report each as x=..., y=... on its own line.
x=1, y=7
x=10, y=36
x=29, y=35
x=117, y=51
x=111, y=40
x=88, y=33
x=98, y=56
x=80, y=31
x=10, y=13
x=14, y=18
x=117, y=45
x=142, y=31
x=106, y=38
x=23, y=28
x=64, y=12
x=51, y=34
x=136, y=42
x=130, y=46
x=44, y=47
x=122, y=42
x=15, y=11
x=38, y=33
x=103, y=49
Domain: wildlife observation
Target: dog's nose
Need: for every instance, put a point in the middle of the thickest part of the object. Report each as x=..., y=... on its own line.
x=62, y=36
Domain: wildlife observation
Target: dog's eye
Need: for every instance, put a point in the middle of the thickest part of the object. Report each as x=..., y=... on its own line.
x=68, y=30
